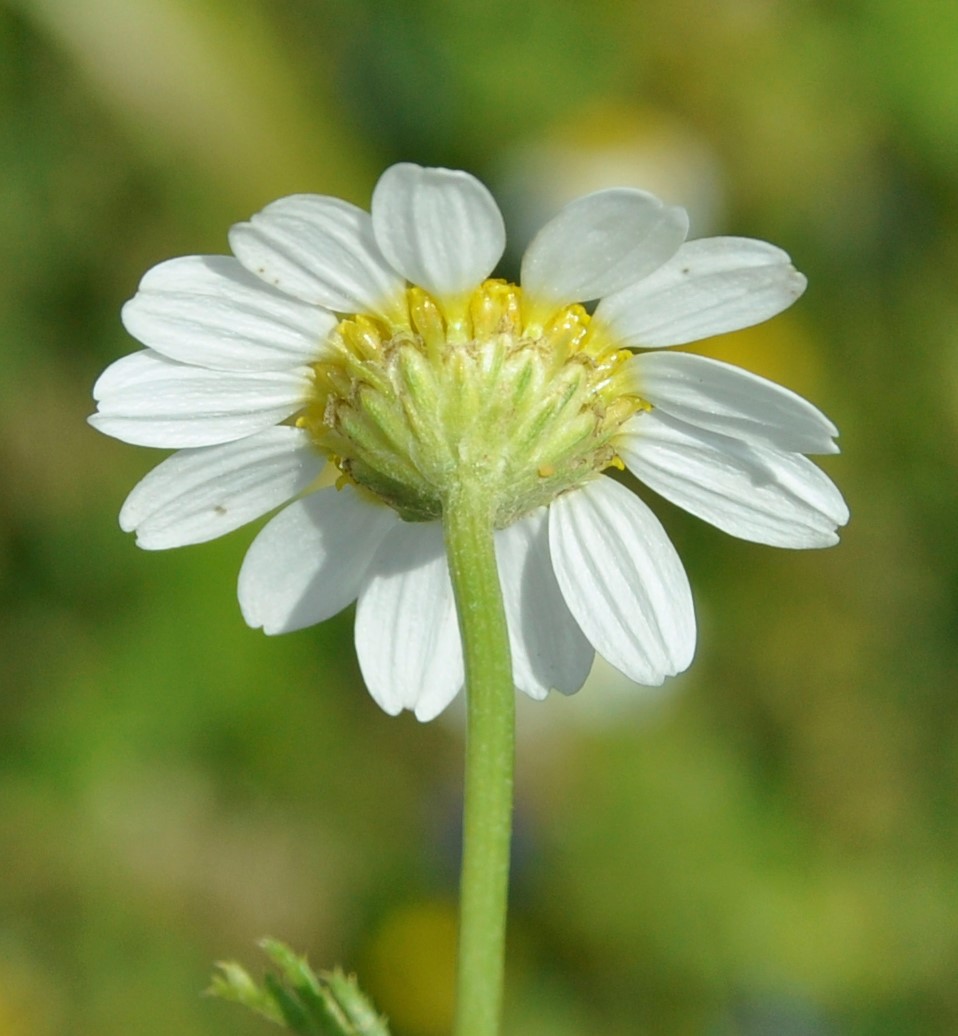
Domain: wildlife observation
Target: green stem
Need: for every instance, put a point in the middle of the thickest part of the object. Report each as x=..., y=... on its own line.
x=490, y=761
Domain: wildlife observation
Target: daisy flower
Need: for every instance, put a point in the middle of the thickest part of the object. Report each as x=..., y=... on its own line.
x=357, y=368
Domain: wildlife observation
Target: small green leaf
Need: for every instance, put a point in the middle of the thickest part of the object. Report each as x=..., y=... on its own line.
x=356, y=1005
x=328, y=1004
x=294, y=1014
x=232, y=982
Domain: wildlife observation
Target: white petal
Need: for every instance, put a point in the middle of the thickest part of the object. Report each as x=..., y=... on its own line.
x=148, y=400
x=321, y=250
x=407, y=636
x=599, y=244
x=197, y=495
x=548, y=648
x=710, y=286
x=440, y=228
x=309, y=562
x=623, y=580
x=721, y=398
x=209, y=310
x=752, y=492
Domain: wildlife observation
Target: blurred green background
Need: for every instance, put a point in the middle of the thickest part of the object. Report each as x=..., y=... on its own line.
x=769, y=844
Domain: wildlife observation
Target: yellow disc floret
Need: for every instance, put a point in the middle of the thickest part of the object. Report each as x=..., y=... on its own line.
x=410, y=409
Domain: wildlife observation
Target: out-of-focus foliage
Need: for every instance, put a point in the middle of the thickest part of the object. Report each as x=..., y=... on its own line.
x=769, y=844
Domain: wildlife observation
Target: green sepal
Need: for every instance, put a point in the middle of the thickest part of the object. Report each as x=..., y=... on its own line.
x=296, y=998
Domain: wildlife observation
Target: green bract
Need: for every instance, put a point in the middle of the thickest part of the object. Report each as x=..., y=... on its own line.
x=470, y=390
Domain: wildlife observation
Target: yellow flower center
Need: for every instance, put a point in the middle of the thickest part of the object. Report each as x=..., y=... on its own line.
x=472, y=389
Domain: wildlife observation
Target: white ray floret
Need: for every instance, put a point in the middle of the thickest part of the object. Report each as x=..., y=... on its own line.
x=309, y=562
x=755, y=493
x=208, y=310
x=601, y=243
x=623, y=581
x=407, y=637
x=320, y=250
x=445, y=240
x=148, y=400
x=549, y=649
x=718, y=397
x=706, y=288
x=200, y=494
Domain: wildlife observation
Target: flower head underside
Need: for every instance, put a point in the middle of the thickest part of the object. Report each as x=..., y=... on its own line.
x=411, y=408
x=377, y=347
